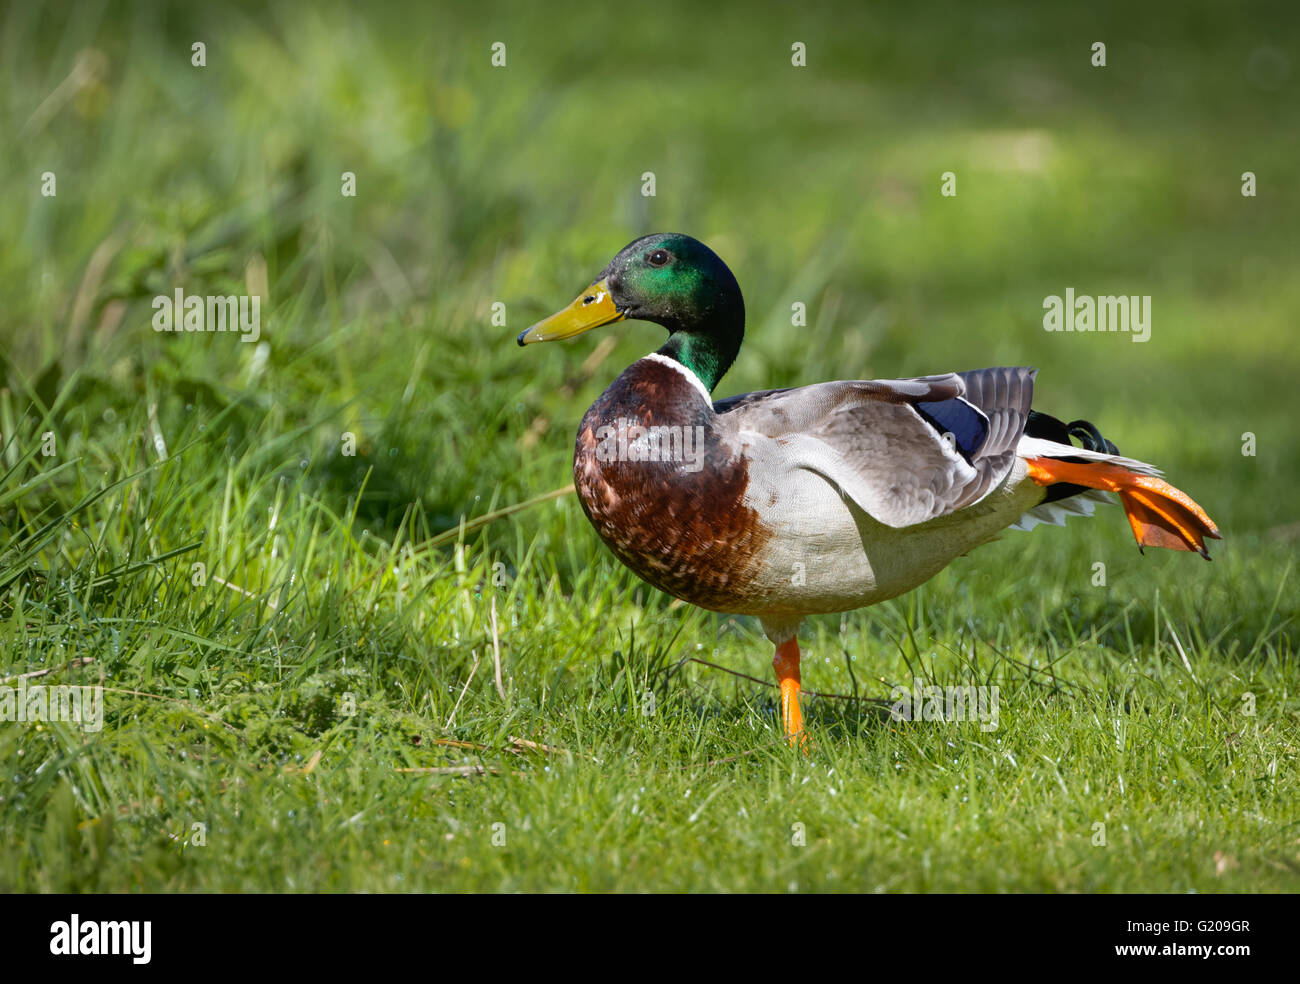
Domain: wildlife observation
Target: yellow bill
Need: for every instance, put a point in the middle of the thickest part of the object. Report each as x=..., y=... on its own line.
x=590, y=309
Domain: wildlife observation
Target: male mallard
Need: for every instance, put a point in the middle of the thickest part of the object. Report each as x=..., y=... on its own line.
x=824, y=498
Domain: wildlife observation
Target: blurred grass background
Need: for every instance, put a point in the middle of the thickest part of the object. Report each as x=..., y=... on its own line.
x=479, y=184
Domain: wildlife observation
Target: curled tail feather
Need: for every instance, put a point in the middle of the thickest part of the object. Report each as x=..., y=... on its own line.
x=1160, y=515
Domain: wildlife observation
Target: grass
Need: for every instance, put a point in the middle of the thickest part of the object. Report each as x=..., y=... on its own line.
x=284, y=631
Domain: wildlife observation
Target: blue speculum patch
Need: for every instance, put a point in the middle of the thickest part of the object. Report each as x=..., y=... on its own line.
x=963, y=421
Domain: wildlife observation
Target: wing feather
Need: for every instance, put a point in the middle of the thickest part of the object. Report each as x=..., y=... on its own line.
x=870, y=439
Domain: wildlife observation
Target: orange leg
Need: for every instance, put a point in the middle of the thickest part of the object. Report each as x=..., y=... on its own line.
x=786, y=664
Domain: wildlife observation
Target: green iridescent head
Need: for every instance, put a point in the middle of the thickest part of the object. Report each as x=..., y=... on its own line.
x=674, y=281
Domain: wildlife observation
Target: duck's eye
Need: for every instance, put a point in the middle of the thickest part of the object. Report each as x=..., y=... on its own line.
x=659, y=257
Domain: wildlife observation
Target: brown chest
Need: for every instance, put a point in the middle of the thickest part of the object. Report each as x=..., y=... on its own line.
x=664, y=492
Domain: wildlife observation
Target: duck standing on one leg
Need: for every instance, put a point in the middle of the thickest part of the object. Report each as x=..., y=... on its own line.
x=824, y=498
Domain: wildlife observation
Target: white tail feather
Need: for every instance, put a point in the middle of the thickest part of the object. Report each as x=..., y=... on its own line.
x=1056, y=513
x=1037, y=447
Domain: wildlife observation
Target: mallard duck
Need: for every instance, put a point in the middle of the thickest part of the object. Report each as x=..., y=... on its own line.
x=824, y=498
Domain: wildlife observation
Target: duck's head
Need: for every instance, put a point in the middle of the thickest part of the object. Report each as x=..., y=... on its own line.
x=674, y=281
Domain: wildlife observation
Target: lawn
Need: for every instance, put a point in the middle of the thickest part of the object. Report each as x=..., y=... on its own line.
x=353, y=634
